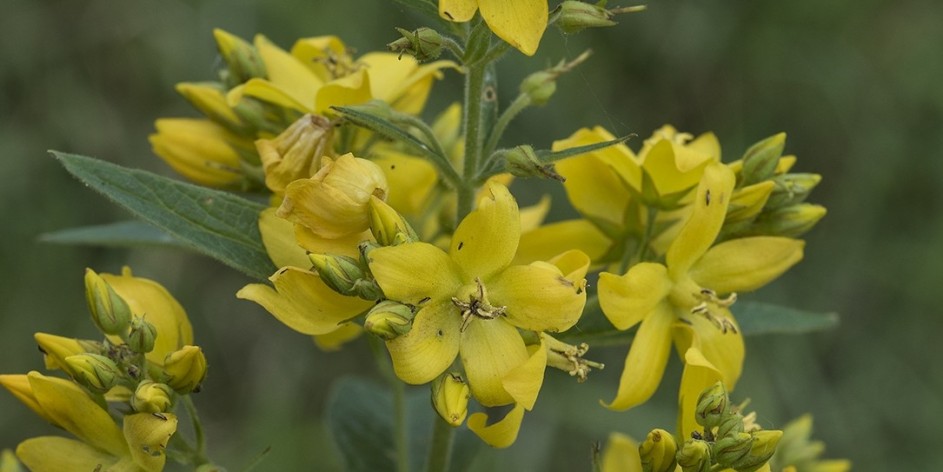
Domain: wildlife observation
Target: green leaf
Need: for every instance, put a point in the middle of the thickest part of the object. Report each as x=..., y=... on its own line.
x=757, y=318
x=218, y=224
x=122, y=234
x=547, y=156
x=360, y=416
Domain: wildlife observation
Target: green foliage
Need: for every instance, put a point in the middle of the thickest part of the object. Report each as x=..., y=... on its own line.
x=118, y=234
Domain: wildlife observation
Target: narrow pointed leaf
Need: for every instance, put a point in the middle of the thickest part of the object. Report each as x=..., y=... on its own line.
x=757, y=318
x=120, y=234
x=546, y=156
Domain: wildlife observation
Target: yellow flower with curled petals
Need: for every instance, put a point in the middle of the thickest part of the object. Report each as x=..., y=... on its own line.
x=521, y=23
x=472, y=303
x=687, y=298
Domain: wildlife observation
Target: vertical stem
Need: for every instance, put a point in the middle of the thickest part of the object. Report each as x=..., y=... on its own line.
x=440, y=451
x=399, y=425
x=200, y=453
x=474, y=84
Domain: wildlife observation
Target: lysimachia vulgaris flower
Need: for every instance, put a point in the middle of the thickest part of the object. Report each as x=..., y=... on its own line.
x=687, y=299
x=521, y=23
x=472, y=303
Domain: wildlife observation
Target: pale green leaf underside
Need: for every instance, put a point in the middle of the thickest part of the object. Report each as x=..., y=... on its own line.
x=119, y=234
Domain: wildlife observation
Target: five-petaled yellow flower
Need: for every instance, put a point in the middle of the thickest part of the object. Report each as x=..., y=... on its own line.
x=519, y=22
x=682, y=299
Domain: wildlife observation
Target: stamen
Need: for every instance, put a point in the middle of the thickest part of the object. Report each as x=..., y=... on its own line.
x=709, y=297
x=478, y=306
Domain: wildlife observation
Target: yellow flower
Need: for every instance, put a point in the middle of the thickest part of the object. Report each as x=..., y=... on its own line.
x=683, y=297
x=472, y=302
x=200, y=150
x=102, y=444
x=521, y=23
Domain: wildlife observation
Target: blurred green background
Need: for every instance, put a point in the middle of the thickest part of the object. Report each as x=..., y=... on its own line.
x=855, y=84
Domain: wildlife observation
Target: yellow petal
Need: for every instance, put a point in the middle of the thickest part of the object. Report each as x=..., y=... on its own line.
x=486, y=240
x=621, y=455
x=597, y=182
x=701, y=228
x=490, y=349
x=524, y=381
x=500, y=434
x=349, y=90
x=271, y=93
x=540, y=296
x=458, y=10
x=199, y=150
x=72, y=409
x=414, y=272
x=147, y=435
x=628, y=299
x=152, y=301
x=645, y=363
x=698, y=374
x=287, y=73
x=706, y=143
x=725, y=351
x=336, y=339
x=665, y=166
x=542, y=243
x=303, y=302
x=57, y=454
x=430, y=347
x=402, y=82
x=278, y=237
x=317, y=53
x=521, y=23
x=343, y=246
x=532, y=216
x=411, y=181
x=56, y=349
x=18, y=385
x=746, y=264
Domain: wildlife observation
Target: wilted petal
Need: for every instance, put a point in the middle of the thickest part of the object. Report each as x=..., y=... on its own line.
x=628, y=299
x=486, y=240
x=413, y=272
x=523, y=382
x=57, y=454
x=707, y=217
x=278, y=237
x=502, y=433
x=698, y=375
x=489, y=350
x=621, y=454
x=542, y=243
x=645, y=363
x=521, y=22
x=458, y=10
x=147, y=435
x=540, y=296
x=725, y=351
x=301, y=301
x=742, y=265
x=430, y=347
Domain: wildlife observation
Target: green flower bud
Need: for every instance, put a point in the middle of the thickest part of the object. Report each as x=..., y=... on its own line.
x=712, y=406
x=345, y=275
x=152, y=397
x=730, y=449
x=539, y=87
x=110, y=312
x=424, y=43
x=695, y=456
x=142, y=336
x=96, y=372
x=185, y=369
x=296, y=152
x=389, y=319
x=746, y=203
x=791, y=222
x=792, y=189
x=658, y=452
x=760, y=160
x=56, y=348
x=575, y=16
x=241, y=57
x=762, y=449
x=450, y=396
x=210, y=99
x=522, y=161
x=389, y=228
x=730, y=425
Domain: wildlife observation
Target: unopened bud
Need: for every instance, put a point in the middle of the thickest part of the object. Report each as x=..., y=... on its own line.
x=760, y=160
x=242, y=58
x=522, y=161
x=296, y=152
x=56, y=348
x=733, y=448
x=389, y=227
x=185, y=369
x=264, y=117
x=424, y=44
x=96, y=372
x=730, y=425
x=142, y=336
x=791, y=222
x=450, y=394
x=658, y=452
x=711, y=406
x=389, y=320
x=345, y=275
x=109, y=311
x=762, y=449
x=792, y=189
x=152, y=397
x=539, y=87
x=747, y=202
x=575, y=16
x=210, y=99
x=695, y=456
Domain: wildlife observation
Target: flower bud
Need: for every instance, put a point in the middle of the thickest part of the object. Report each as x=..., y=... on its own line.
x=210, y=99
x=762, y=449
x=711, y=406
x=539, y=87
x=695, y=456
x=56, y=348
x=334, y=202
x=389, y=319
x=96, y=372
x=109, y=311
x=760, y=160
x=424, y=43
x=152, y=397
x=200, y=150
x=522, y=161
x=792, y=189
x=450, y=396
x=732, y=448
x=185, y=369
x=389, y=227
x=658, y=452
x=575, y=16
x=791, y=222
x=241, y=57
x=263, y=117
x=747, y=202
x=730, y=425
x=296, y=152
x=345, y=275
x=142, y=336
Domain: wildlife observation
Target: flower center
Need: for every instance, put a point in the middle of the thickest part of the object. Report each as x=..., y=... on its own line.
x=708, y=299
x=473, y=303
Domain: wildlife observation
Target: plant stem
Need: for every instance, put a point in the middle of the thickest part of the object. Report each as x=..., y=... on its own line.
x=519, y=104
x=399, y=425
x=440, y=451
x=474, y=85
x=200, y=452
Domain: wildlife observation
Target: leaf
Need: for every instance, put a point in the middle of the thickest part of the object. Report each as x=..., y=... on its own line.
x=757, y=318
x=547, y=156
x=121, y=233
x=218, y=224
x=360, y=416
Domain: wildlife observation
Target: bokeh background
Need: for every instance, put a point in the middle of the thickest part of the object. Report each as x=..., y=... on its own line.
x=854, y=83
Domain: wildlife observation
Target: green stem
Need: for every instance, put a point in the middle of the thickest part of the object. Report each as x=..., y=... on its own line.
x=423, y=128
x=399, y=404
x=474, y=86
x=628, y=257
x=440, y=451
x=456, y=49
x=518, y=105
x=200, y=452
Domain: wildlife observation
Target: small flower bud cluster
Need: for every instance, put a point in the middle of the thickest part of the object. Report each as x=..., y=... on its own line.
x=424, y=44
